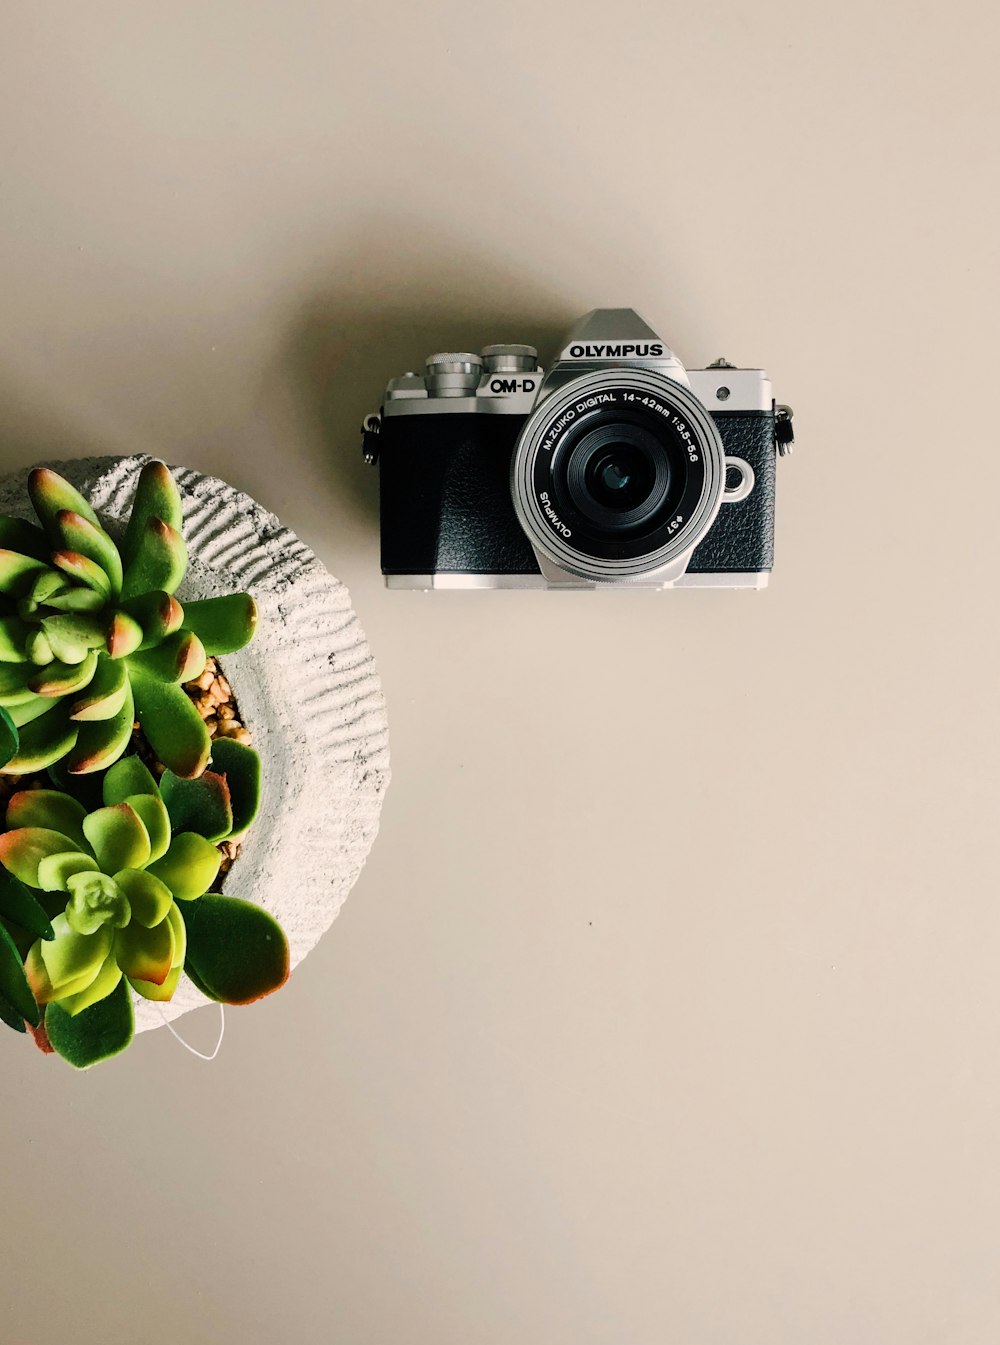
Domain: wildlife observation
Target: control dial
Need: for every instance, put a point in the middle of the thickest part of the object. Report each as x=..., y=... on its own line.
x=510, y=359
x=453, y=374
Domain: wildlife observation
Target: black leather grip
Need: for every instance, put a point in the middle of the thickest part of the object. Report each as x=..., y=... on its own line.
x=741, y=539
x=445, y=496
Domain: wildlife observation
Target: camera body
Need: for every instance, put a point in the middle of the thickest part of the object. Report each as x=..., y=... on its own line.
x=616, y=466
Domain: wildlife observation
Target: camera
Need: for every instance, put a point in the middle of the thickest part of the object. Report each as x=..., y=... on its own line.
x=614, y=466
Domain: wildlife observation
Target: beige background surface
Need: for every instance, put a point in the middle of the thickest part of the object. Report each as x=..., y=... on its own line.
x=668, y=1007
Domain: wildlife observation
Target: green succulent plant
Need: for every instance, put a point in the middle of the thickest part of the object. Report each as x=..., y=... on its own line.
x=92, y=903
x=91, y=636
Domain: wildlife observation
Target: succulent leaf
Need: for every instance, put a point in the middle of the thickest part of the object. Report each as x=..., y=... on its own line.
x=54, y=652
x=28, y=708
x=41, y=1037
x=77, y=600
x=166, y=990
x=10, y=1016
x=21, y=907
x=44, y=586
x=102, y=741
x=51, y=809
x=55, y=871
x=69, y=963
x=103, y=984
x=190, y=866
x=199, y=984
x=22, y=850
x=159, y=562
x=180, y=935
x=161, y=993
x=177, y=658
x=146, y=954
x=15, y=679
x=41, y=983
x=96, y=1034
x=117, y=837
x=223, y=624
x=158, y=613
x=241, y=767
x=174, y=728
x=124, y=635
x=202, y=806
x=127, y=777
x=14, y=987
x=149, y=898
x=78, y=534
x=62, y=679
x=8, y=736
x=154, y=817
x=106, y=693
x=156, y=497
x=236, y=950
x=76, y=631
x=50, y=494
x=13, y=637
x=17, y=572
x=22, y=939
x=84, y=570
x=43, y=742
x=38, y=649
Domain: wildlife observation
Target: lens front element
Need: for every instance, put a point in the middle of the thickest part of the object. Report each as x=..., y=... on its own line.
x=617, y=474
x=620, y=479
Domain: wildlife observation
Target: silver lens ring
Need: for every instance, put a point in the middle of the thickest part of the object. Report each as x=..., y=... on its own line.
x=547, y=533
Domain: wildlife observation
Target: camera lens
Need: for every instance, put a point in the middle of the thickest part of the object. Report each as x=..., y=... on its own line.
x=617, y=475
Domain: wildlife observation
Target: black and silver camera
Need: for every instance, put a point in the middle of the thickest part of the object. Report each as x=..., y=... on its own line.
x=614, y=466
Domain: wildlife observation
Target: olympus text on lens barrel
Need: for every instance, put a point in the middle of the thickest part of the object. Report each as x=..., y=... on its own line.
x=615, y=466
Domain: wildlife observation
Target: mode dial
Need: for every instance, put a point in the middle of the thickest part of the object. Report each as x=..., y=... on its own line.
x=510, y=359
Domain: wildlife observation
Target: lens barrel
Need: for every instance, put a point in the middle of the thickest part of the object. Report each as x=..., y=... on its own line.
x=617, y=474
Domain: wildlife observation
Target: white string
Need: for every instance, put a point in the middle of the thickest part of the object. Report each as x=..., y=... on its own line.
x=187, y=1046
